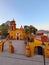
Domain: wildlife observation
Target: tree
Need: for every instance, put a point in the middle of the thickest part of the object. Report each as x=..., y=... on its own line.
x=3, y=24
x=4, y=30
x=26, y=29
x=32, y=29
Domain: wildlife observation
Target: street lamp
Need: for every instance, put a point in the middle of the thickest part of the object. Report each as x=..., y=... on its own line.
x=48, y=36
x=43, y=47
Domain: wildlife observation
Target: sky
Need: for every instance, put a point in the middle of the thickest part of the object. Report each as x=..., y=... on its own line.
x=26, y=12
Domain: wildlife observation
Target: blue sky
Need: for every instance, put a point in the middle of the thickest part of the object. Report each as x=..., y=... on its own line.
x=26, y=12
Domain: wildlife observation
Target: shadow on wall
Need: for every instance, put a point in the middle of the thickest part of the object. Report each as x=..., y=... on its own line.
x=38, y=50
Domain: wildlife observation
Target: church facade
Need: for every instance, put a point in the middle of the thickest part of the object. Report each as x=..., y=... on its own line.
x=16, y=33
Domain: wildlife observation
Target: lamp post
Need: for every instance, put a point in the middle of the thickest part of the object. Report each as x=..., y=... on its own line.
x=48, y=36
x=43, y=47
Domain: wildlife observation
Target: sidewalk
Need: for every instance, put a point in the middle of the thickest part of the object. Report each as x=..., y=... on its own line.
x=17, y=59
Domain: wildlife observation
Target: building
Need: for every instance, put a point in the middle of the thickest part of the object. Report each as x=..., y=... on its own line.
x=16, y=33
x=42, y=35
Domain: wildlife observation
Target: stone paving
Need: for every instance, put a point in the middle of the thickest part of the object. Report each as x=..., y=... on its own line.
x=13, y=59
x=19, y=58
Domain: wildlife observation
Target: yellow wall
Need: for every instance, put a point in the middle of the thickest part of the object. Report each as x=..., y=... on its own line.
x=38, y=43
x=13, y=34
x=33, y=45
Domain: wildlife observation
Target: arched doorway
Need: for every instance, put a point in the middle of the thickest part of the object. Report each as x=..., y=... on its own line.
x=18, y=36
x=38, y=50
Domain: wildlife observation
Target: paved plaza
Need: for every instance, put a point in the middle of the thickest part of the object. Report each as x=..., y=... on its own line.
x=19, y=58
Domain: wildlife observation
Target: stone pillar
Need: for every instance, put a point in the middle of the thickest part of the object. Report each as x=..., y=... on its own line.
x=47, y=52
x=28, y=54
x=1, y=47
x=31, y=44
x=11, y=48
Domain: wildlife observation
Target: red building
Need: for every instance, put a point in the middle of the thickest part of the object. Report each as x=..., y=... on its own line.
x=42, y=35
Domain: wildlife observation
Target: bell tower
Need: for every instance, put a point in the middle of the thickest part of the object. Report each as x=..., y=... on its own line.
x=12, y=25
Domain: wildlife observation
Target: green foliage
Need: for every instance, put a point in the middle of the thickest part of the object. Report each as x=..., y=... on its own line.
x=31, y=40
x=3, y=24
x=4, y=30
x=26, y=28
x=30, y=29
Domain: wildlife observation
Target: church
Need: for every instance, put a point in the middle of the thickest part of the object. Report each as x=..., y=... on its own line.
x=16, y=33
